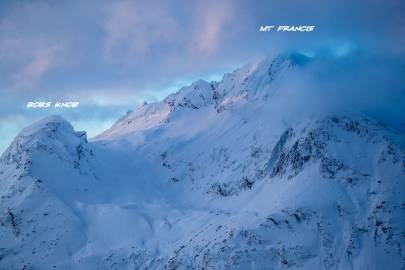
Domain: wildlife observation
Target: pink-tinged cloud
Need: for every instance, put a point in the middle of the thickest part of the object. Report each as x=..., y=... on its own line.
x=212, y=24
x=136, y=27
x=29, y=56
x=43, y=59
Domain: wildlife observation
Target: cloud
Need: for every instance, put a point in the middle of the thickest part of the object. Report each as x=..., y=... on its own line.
x=27, y=56
x=212, y=23
x=43, y=59
x=138, y=27
x=114, y=54
x=160, y=35
x=350, y=84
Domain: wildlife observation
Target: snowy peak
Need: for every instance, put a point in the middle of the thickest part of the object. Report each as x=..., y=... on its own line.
x=226, y=175
x=52, y=127
x=52, y=136
x=37, y=177
x=195, y=96
x=281, y=62
x=250, y=82
x=255, y=79
x=199, y=94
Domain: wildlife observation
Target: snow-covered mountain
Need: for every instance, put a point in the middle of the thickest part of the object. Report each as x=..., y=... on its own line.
x=238, y=174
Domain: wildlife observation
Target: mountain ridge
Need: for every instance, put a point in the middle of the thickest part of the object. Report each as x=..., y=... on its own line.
x=202, y=93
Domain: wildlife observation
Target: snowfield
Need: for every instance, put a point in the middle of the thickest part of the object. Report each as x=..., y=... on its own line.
x=244, y=173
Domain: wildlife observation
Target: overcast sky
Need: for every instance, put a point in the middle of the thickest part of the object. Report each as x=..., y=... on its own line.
x=112, y=55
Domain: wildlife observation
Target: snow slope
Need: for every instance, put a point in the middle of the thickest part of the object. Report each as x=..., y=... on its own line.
x=236, y=174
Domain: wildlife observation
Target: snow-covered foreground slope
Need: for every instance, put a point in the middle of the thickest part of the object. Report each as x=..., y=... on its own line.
x=238, y=174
